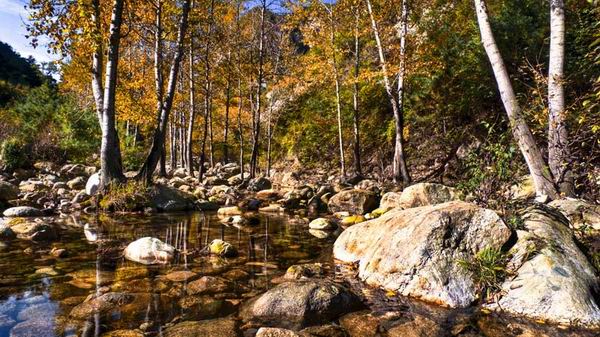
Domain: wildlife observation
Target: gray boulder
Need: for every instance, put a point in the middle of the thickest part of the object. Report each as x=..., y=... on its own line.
x=555, y=283
x=354, y=201
x=23, y=211
x=301, y=303
x=415, y=251
x=259, y=184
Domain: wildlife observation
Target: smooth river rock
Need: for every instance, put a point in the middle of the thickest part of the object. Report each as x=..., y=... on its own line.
x=23, y=211
x=555, y=283
x=415, y=251
x=149, y=251
x=301, y=303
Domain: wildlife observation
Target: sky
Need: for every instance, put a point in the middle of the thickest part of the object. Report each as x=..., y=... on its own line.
x=12, y=30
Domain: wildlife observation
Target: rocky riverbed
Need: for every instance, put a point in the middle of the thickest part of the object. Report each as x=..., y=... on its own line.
x=288, y=256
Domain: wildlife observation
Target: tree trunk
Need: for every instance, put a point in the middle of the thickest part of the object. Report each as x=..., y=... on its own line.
x=160, y=131
x=111, y=169
x=207, y=93
x=355, y=92
x=336, y=78
x=256, y=127
x=399, y=156
x=399, y=163
x=542, y=178
x=558, y=142
x=190, y=158
x=227, y=105
x=240, y=129
x=97, y=60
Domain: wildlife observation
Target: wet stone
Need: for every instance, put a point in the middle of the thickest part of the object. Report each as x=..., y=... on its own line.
x=222, y=327
x=209, y=285
x=180, y=276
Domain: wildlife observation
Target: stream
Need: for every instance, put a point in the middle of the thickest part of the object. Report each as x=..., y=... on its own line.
x=39, y=290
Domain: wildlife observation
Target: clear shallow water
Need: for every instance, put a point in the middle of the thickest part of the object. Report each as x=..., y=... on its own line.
x=39, y=291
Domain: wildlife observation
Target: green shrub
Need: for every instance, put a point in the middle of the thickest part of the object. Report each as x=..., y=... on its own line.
x=14, y=154
x=488, y=270
x=490, y=168
x=131, y=196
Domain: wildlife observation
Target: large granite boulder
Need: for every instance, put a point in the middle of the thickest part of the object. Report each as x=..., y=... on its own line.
x=149, y=251
x=354, y=201
x=554, y=282
x=415, y=251
x=424, y=194
x=580, y=213
x=301, y=303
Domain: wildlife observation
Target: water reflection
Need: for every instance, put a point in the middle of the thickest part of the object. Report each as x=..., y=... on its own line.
x=41, y=295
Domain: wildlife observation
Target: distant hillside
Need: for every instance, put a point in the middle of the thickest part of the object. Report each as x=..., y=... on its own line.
x=18, y=70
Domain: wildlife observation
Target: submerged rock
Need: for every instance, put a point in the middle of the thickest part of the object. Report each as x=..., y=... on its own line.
x=101, y=305
x=209, y=285
x=301, y=303
x=36, y=231
x=220, y=327
x=415, y=251
x=556, y=283
x=149, y=251
x=353, y=201
x=277, y=332
x=23, y=211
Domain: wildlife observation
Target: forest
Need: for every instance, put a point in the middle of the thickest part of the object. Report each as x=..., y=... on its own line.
x=302, y=168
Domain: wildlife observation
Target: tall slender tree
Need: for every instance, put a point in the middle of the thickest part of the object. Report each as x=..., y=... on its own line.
x=111, y=169
x=400, y=169
x=558, y=142
x=158, y=141
x=542, y=178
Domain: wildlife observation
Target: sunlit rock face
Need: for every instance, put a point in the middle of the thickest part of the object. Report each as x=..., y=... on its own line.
x=555, y=283
x=415, y=251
